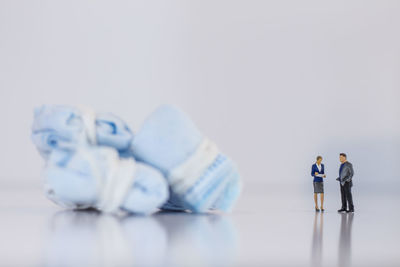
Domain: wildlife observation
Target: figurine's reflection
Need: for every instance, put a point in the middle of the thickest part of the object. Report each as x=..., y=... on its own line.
x=89, y=238
x=345, y=240
x=316, y=247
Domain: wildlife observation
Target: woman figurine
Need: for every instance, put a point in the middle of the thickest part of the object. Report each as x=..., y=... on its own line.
x=318, y=172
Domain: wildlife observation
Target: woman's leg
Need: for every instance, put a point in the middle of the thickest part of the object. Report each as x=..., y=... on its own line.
x=316, y=200
x=322, y=200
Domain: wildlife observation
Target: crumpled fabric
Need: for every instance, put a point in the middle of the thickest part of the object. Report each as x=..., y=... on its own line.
x=200, y=177
x=89, y=162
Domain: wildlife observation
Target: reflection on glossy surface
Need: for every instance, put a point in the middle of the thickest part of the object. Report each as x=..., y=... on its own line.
x=345, y=239
x=258, y=233
x=207, y=239
x=89, y=238
x=316, y=249
x=344, y=247
x=85, y=238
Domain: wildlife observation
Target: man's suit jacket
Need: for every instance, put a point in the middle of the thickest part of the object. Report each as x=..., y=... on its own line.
x=346, y=174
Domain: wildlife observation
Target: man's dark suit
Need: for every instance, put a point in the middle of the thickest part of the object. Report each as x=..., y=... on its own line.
x=346, y=173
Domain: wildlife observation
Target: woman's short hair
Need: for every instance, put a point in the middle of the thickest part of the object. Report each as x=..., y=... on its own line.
x=319, y=157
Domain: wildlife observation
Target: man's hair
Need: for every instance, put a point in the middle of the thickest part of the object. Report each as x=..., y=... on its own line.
x=343, y=154
x=319, y=157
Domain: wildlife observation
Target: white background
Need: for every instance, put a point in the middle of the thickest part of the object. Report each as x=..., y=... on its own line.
x=273, y=83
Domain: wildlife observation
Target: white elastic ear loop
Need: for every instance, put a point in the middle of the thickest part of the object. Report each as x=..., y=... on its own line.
x=88, y=116
x=182, y=177
x=115, y=183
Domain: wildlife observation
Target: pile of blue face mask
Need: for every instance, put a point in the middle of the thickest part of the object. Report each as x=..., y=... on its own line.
x=93, y=160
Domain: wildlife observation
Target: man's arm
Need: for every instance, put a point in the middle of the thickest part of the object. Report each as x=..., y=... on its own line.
x=352, y=171
x=338, y=179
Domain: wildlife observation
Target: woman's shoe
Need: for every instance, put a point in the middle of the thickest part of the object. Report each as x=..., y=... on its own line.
x=316, y=209
x=322, y=210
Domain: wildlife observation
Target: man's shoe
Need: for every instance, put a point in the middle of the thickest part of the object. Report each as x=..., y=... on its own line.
x=351, y=210
x=342, y=210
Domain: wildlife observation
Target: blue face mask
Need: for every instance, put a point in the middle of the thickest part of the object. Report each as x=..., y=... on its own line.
x=89, y=163
x=201, y=178
x=65, y=127
x=97, y=177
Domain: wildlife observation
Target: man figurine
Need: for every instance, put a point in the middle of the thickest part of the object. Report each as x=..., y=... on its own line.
x=345, y=178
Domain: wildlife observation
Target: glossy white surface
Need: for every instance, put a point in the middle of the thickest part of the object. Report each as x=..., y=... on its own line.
x=265, y=229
